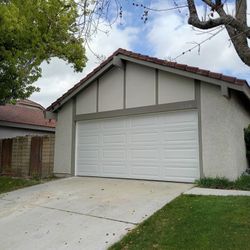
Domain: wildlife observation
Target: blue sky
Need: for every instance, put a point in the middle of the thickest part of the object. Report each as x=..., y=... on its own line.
x=166, y=34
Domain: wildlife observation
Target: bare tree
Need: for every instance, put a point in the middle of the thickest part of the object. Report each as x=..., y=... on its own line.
x=95, y=12
x=236, y=26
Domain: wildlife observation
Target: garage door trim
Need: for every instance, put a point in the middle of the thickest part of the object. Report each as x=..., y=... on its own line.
x=169, y=107
x=158, y=114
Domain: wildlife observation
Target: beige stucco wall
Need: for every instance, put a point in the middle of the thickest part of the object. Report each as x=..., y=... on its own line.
x=140, y=86
x=140, y=89
x=223, y=121
x=111, y=90
x=173, y=88
x=62, y=164
x=86, y=100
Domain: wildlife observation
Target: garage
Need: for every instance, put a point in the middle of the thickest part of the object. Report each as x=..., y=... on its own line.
x=159, y=146
x=139, y=117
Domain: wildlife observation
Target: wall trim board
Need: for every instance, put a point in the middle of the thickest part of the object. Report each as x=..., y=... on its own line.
x=139, y=110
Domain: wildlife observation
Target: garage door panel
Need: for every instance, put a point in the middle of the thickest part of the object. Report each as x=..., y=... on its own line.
x=180, y=145
x=114, y=168
x=113, y=154
x=172, y=118
x=161, y=146
x=145, y=170
x=87, y=162
x=114, y=139
x=183, y=135
x=144, y=154
x=88, y=140
x=92, y=169
x=179, y=168
x=179, y=128
x=88, y=126
x=180, y=172
x=144, y=137
x=88, y=155
x=180, y=153
x=143, y=121
x=113, y=124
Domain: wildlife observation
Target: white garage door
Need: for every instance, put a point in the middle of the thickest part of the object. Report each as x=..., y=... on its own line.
x=160, y=146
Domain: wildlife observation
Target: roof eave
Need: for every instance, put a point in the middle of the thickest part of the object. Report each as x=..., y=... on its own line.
x=121, y=55
x=54, y=108
x=244, y=88
x=27, y=126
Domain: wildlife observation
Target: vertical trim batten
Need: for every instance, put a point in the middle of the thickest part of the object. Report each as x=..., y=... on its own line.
x=198, y=102
x=97, y=95
x=124, y=84
x=73, y=141
x=156, y=86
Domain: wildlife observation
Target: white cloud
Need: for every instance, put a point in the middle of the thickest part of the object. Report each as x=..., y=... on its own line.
x=167, y=35
x=58, y=76
x=170, y=35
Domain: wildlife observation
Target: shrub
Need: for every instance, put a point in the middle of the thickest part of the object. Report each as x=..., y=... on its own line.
x=242, y=183
x=220, y=183
x=247, y=140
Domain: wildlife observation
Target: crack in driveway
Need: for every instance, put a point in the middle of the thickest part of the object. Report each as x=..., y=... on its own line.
x=73, y=212
x=89, y=215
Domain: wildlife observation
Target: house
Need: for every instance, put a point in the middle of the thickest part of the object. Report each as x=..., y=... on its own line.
x=24, y=118
x=140, y=117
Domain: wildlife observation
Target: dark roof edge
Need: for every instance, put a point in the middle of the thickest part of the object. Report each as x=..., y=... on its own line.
x=27, y=126
x=179, y=69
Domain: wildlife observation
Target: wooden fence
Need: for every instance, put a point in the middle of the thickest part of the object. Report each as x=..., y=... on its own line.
x=27, y=156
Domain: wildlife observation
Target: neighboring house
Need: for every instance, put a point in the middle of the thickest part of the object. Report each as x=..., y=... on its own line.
x=24, y=118
x=140, y=117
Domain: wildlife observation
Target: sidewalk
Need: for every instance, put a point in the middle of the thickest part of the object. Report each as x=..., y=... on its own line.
x=219, y=192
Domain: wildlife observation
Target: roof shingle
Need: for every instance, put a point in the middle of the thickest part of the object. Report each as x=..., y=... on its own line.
x=25, y=112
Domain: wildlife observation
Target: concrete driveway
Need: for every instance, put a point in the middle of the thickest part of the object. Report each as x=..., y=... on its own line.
x=79, y=213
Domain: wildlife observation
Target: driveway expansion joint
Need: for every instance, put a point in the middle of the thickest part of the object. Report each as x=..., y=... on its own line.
x=89, y=215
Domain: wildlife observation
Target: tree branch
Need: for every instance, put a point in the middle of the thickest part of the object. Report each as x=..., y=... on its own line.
x=224, y=19
x=237, y=28
x=241, y=11
x=238, y=36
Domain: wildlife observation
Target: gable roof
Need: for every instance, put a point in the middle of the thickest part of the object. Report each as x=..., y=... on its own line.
x=25, y=112
x=181, y=69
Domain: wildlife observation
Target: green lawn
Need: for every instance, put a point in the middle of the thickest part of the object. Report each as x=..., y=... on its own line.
x=9, y=183
x=194, y=222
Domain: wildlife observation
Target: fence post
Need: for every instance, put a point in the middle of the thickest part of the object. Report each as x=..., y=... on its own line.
x=36, y=156
x=1, y=169
x=6, y=156
x=48, y=155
